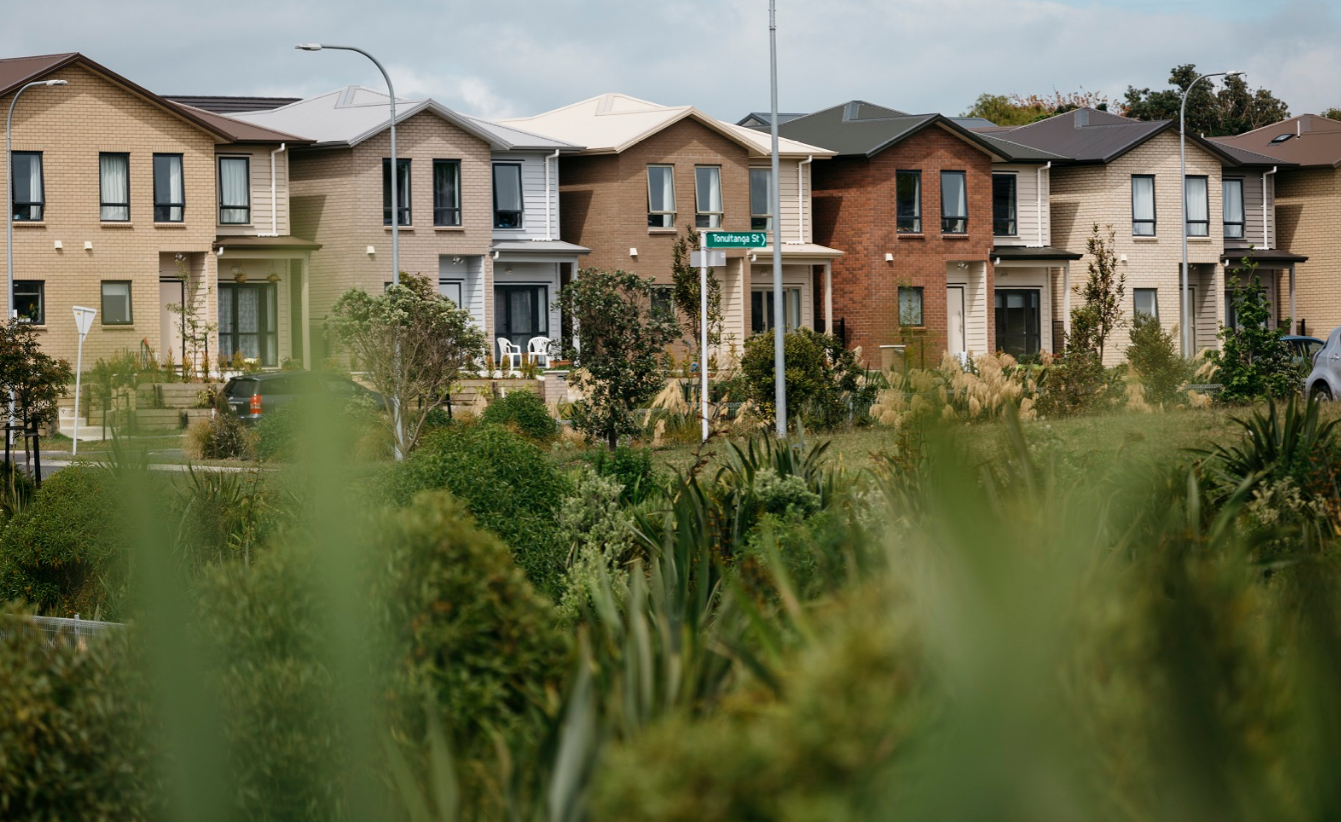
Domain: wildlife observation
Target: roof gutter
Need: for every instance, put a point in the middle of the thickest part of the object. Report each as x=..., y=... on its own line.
x=549, y=220
x=1266, y=229
x=1038, y=194
x=274, y=195
x=800, y=198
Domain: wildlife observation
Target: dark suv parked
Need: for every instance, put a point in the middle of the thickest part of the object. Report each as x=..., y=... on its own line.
x=252, y=396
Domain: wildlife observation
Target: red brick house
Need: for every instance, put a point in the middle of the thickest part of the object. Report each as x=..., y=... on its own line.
x=911, y=201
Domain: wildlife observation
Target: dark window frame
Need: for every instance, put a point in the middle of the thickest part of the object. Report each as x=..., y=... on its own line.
x=659, y=218
x=540, y=311
x=1031, y=337
x=41, y=318
x=760, y=298
x=1206, y=223
x=921, y=306
x=519, y=216
x=181, y=160
x=663, y=300
x=402, y=192
x=1154, y=207
x=1243, y=208
x=246, y=159
x=267, y=342
x=446, y=215
x=1006, y=226
x=763, y=220
x=908, y=223
x=704, y=219
x=948, y=222
x=1135, y=310
x=130, y=301
x=125, y=155
x=24, y=206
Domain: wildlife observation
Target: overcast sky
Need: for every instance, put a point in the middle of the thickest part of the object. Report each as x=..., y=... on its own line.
x=522, y=57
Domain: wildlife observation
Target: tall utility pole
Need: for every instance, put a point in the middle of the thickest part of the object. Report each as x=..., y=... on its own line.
x=395, y=220
x=779, y=307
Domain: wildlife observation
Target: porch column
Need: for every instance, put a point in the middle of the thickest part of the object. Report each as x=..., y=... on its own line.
x=1294, y=319
x=577, y=338
x=1066, y=298
x=306, y=310
x=746, y=275
x=828, y=296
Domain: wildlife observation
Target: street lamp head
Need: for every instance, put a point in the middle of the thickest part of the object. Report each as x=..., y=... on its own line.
x=1235, y=73
x=308, y=47
x=58, y=83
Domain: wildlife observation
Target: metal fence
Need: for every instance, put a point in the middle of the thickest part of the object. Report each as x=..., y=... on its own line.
x=58, y=630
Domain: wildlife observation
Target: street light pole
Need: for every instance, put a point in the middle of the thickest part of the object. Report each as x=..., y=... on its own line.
x=1186, y=319
x=395, y=217
x=779, y=307
x=9, y=217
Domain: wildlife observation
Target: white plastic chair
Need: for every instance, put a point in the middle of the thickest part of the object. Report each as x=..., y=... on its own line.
x=537, y=350
x=509, y=355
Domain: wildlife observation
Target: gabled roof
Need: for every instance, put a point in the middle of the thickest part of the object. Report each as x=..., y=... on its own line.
x=757, y=119
x=1087, y=136
x=1307, y=140
x=17, y=71
x=612, y=123
x=861, y=129
x=230, y=104
x=348, y=116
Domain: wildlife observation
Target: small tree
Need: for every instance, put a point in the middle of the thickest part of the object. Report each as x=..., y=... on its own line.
x=412, y=342
x=686, y=296
x=196, y=327
x=35, y=379
x=1253, y=361
x=620, y=352
x=1154, y=357
x=1101, y=314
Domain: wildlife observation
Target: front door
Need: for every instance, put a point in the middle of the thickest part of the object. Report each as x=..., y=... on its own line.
x=1192, y=317
x=1017, y=322
x=521, y=312
x=956, y=343
x=170, y=347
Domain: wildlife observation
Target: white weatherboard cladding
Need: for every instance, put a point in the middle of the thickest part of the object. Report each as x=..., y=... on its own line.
x=470, y=273
x=976, y=302
x=1027, y=205
x=1252, y=208
x=791, y=217
x=533, y=196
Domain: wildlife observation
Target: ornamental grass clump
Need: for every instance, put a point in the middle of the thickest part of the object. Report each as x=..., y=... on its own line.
x=983, y=388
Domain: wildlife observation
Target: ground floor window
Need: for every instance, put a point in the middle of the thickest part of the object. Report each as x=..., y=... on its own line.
x=30, y=301
x=451, y=289
x=1018, y=322
x=1146, y=301
x=910, y=306
x=248, y=322
x=663, y=300
x=761, y=309
x=521, y=312
x=116, y=303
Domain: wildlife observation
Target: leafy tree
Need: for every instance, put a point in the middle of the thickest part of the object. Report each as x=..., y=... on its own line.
x=1332, y=113
x=1253, y=361
x=35, y=379
x=1233, y=109
x=1019, y=110
x=1101, y=314
x=412, y=342
x=824, y=379
x=620, y=353
x=685, y=293
x=1154, y=357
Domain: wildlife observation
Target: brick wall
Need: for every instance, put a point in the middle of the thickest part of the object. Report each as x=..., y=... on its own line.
x=70, y=125
x=855, y=212
x=1308, y=206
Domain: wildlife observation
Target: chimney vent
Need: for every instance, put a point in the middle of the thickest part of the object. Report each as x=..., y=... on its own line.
x=1082, y=117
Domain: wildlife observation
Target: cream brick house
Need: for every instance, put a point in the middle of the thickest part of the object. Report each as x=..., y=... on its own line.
x=1124, y=174
x=116, y=206
x=478, y=210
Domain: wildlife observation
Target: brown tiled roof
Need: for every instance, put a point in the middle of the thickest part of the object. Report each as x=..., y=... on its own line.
x=1308, y=140
x=17, y=71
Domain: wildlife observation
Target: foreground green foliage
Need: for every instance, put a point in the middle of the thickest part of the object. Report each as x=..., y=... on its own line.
x=526, y=413
x=1253, y=362
x=826, y=384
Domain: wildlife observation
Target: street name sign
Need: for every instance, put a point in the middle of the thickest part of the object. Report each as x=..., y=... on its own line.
x=735, y=239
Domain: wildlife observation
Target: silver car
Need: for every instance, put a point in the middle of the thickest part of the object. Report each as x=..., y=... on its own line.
x=1324, y=381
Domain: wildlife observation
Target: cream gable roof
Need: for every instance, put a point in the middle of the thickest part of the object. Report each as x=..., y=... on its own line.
x=612, y=123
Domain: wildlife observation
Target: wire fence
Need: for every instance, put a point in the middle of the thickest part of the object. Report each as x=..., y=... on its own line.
x=61, y=630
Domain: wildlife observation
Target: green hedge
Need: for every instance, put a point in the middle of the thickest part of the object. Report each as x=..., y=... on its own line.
x=524, y=411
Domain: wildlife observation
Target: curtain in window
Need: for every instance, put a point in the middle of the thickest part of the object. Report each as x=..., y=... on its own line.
x=954, y=197
x=708, y=181
x=1143, y=205
x=1198, y=207
x=234, y=192
x=1232, y=192
x=446, y=202
x=27, y=186
x=660, y=197
x=761, y=211
x=114, y=173
x=168, y=191
x=507, y=187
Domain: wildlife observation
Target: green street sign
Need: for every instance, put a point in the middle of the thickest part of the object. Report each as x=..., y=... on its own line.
x=736, y=239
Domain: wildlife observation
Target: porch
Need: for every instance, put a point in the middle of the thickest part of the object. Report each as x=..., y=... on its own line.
x=522, y=301
x=1277, y=271
x=1030, y=287
x=263, y=300
x=748, y=298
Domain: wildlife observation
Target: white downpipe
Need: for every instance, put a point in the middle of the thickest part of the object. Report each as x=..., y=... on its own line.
x=1266, y=228
x=549, y=220
x=274, y=193
x=1038, y=196
x=800, y=197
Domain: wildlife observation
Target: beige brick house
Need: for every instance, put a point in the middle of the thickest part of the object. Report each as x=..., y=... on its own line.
x=648, y=171
x=116, y=206
x=478, y=210
x=1124, y=173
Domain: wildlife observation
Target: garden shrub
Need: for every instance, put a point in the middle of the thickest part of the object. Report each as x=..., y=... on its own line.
x=826, y=385
x=1253, y=362
x=985, y=387
x=16, y=491
x=66, y=552
x=524, y=411
x=349, y=426
x=505, y=482
x=599, y=535
x=632, y=468
x=219, y=437
x=74, y=722
x=1154, y=357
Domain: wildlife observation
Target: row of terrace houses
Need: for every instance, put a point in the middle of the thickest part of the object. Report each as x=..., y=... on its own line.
x=894, y=227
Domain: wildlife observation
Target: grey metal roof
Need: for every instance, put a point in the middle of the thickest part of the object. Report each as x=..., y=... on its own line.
x=538, y=247
x=973, y=122
x=762, y=119
x=1270, y=255
x=861, y=129
x=1016, y=252
x=350, y=115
